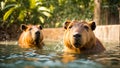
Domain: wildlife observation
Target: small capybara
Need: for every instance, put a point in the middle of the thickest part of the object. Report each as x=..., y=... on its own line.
x=31, y=37
x=79, y=38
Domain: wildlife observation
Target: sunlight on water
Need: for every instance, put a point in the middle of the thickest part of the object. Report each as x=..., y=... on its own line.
x=59, y=46
x=52, y=56
x=56, y=46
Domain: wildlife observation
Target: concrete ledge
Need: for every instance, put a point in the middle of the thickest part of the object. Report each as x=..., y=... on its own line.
x=107, y=33
x=53, y=33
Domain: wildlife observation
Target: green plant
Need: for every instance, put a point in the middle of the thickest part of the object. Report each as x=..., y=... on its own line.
x=25, y=11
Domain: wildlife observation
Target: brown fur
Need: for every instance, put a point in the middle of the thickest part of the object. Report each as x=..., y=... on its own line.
x=79, y=38
x=31, y=37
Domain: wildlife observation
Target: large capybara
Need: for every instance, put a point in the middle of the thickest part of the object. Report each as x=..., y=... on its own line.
x=31, y=37
x=79, y=38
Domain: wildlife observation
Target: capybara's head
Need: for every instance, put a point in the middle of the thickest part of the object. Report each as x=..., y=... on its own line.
x=79, y=34
x=32, y=35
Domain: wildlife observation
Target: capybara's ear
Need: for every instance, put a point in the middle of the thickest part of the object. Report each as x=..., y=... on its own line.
x=93, y=25
x=66, y=24
x=40, y=27
x=23, y=27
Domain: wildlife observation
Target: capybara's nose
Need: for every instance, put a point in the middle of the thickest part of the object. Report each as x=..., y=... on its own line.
x=37, y=33
x=77, y=35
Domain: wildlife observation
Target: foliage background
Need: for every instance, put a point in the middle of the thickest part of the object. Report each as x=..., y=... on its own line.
x=49, y=13
x=52, y=13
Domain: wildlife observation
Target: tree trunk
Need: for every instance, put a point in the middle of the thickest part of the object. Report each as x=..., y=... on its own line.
x=119, y=14
x=97, y=11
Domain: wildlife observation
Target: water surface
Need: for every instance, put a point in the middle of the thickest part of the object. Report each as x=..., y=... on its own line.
x=52, y=56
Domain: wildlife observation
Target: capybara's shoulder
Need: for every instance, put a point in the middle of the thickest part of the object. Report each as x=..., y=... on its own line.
x=99, y=45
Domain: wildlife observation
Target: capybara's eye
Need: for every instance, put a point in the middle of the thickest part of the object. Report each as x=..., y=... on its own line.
x=30, y=29
x=86, y=27
x=70, y=27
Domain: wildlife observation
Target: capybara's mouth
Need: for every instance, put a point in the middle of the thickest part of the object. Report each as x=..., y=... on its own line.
x=37, y=36
x=77, y=45
x=37, y=39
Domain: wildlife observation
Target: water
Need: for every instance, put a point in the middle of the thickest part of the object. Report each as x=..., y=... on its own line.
x=52, y=56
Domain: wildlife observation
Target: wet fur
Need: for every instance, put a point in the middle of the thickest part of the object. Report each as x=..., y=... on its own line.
x=27, y=41
x=90, y=44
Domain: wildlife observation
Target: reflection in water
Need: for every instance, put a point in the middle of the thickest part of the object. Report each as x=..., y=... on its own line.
x=68, y=58
x=52, y=56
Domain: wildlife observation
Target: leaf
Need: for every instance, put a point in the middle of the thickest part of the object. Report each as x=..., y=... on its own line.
x=8, y=6
x=7, y=14
x=42, y=19
x=57, y=24
x=46, y=14
x=51, y=8
x=2, y=5
x=44, y=8
x=21, y=15
x=32, y=3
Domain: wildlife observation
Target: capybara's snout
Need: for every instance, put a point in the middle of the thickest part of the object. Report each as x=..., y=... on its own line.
x=77, y=39
x=37, y=33
x=77, y=36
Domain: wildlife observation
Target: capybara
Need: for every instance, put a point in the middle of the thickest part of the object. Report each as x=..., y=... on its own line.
x=79, y=38
x=31, y=37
